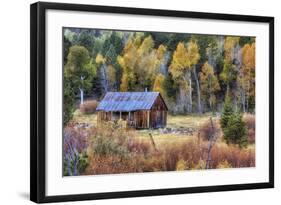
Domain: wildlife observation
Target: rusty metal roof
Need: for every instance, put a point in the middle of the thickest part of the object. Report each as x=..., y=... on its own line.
x=127, y=101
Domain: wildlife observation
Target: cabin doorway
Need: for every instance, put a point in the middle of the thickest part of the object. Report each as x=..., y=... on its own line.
x=159, y=119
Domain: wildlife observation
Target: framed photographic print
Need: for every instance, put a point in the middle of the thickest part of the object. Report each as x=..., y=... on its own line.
x=129, y=102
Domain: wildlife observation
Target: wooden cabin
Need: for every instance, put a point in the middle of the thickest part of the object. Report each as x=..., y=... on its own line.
x=141, y=110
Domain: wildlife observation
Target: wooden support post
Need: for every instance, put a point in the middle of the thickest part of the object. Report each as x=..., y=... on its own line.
x=135, y=119
x=129, y=119
x=111, y=115
x=148, y=119
x=212, y=140
x=152, y=142
x=120, y=115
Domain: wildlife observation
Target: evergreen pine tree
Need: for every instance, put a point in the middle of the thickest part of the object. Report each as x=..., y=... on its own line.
x=235, y=131
x=97, y=85
x=232, y=124
x=227, y=112
x=68, y=101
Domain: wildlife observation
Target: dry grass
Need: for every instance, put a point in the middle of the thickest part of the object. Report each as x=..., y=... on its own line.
x=83, y=118
x=194, y=121
x=164, y=139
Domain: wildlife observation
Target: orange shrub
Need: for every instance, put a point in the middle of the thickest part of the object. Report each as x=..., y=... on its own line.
x=89, y=107
x=206, y=129
x=189, y=151
x=155, y=161
x=138, y=146
x=250, y=122
x=109, y=165
x=235, y=156
x=112, y=149
x=224, y=164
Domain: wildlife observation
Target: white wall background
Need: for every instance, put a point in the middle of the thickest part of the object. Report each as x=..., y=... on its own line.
x=14, y=100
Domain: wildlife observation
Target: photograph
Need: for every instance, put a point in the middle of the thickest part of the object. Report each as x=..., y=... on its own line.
x=135, y=102
x=145, y=101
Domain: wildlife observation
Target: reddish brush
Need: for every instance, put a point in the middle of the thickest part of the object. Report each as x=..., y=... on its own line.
x=250, y=122
x=208, y=129
x=89, y=107
x=113, y=149
x=235, y=156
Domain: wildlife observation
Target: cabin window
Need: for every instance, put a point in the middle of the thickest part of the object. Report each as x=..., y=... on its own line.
x=124, y=115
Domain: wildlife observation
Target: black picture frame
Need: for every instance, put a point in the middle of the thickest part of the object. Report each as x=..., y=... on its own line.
x=38, y=101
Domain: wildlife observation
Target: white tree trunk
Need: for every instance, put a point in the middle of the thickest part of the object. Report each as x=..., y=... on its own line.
x=187, y=79
x=81, y=96
x=81, y=90
x=190, y=92
x=104, y=77
x=199, y=107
